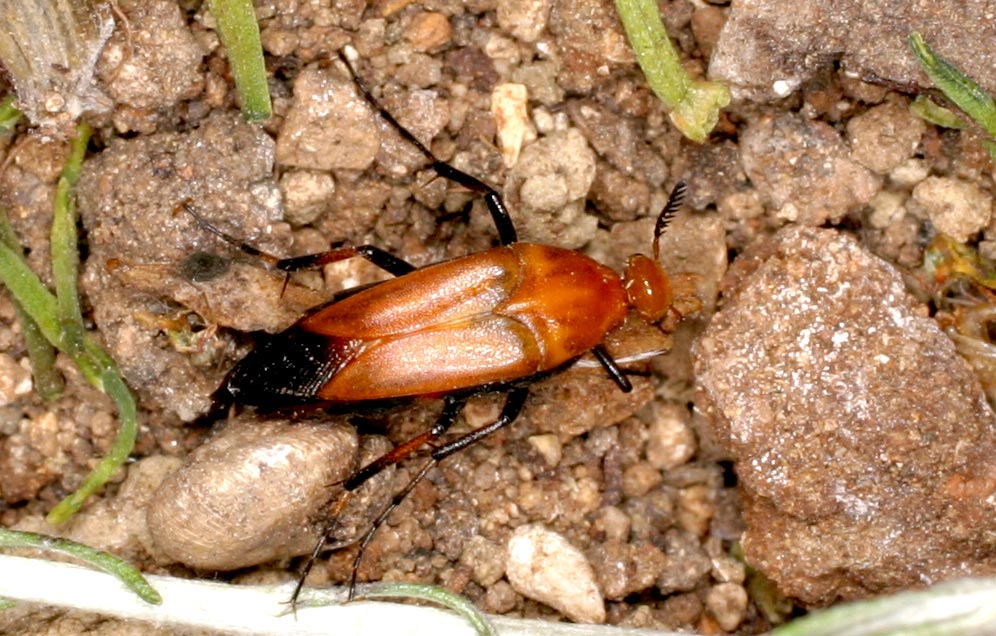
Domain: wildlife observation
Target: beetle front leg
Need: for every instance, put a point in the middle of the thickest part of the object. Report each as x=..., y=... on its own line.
x=499, y=213
x=612, y=367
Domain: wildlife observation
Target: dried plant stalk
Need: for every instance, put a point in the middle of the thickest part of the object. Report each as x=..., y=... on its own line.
x=50, y=49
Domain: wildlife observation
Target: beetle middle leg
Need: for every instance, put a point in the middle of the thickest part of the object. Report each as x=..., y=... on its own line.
x=339, y=251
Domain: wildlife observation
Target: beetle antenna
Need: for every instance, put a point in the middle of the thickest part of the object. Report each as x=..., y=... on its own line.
x=674, y=201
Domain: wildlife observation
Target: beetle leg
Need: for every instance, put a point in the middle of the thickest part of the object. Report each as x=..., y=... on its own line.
x=225, y=236
x=451, y=409
x=612, y=368
x=339, y=252
x=452, y=405
x=499, y=213
x=513, y=406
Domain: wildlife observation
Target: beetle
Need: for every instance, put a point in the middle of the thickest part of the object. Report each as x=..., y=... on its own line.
x=492, y=321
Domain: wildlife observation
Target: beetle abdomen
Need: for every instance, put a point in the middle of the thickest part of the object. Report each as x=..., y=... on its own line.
x=289, y=368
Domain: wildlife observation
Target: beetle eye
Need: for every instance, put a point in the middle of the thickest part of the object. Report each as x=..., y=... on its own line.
x=648, y=288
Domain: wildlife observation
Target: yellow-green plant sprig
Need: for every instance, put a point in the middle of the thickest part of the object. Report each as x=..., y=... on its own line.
x=961, y=89
x=9, y=114
x=435, y=594
x=694, y=104
x=109, y=563
x=416, y=591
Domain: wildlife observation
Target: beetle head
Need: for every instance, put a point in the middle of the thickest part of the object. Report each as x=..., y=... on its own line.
x=648, y=288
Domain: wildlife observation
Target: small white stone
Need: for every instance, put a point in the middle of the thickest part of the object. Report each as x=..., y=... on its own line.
x=509, y=107
x=544, y=566
x=783, y=88
x=15, y=380
x=727, y=602
x=548, y=446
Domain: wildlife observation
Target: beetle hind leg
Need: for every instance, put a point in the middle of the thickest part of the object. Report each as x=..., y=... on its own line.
x=514, y=402
x=452, y=405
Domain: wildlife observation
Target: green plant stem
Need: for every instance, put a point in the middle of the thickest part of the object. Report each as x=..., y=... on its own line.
x=65, y=245
x=109, y=563
x=97, y=366
x=29, y=292
x=240, y=35
x=58, y=320
x=694, y=104
x=41, y=353
x=436, y=594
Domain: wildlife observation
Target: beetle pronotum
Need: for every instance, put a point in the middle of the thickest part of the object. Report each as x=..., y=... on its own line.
x=493, y=321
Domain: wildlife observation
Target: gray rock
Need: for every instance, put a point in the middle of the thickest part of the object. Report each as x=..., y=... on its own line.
x=863, y=443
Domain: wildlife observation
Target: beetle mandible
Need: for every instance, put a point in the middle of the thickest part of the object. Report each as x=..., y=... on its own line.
x=492, y=321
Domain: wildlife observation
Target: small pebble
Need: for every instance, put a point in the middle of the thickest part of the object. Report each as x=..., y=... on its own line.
x=509, y=107
x=525, y=19
x=429, y=31
x=544, y=566
x=727, y=603
x=671, y=441
x=328, y=127
x=548, y=187
x=484, y=558
x=15, y=380
x=955, y=207
x=306, y=194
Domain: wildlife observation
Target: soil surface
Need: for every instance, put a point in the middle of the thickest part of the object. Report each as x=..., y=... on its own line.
x=824, y=428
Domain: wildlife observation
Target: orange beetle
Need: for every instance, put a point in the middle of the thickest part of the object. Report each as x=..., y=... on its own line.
x=491, y=321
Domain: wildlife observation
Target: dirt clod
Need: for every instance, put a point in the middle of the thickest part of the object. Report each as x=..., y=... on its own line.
x=858, y=433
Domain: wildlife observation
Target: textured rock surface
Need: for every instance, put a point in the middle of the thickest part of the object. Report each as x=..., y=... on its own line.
x=769, y=48
x=803, y=169
x=863, y=443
